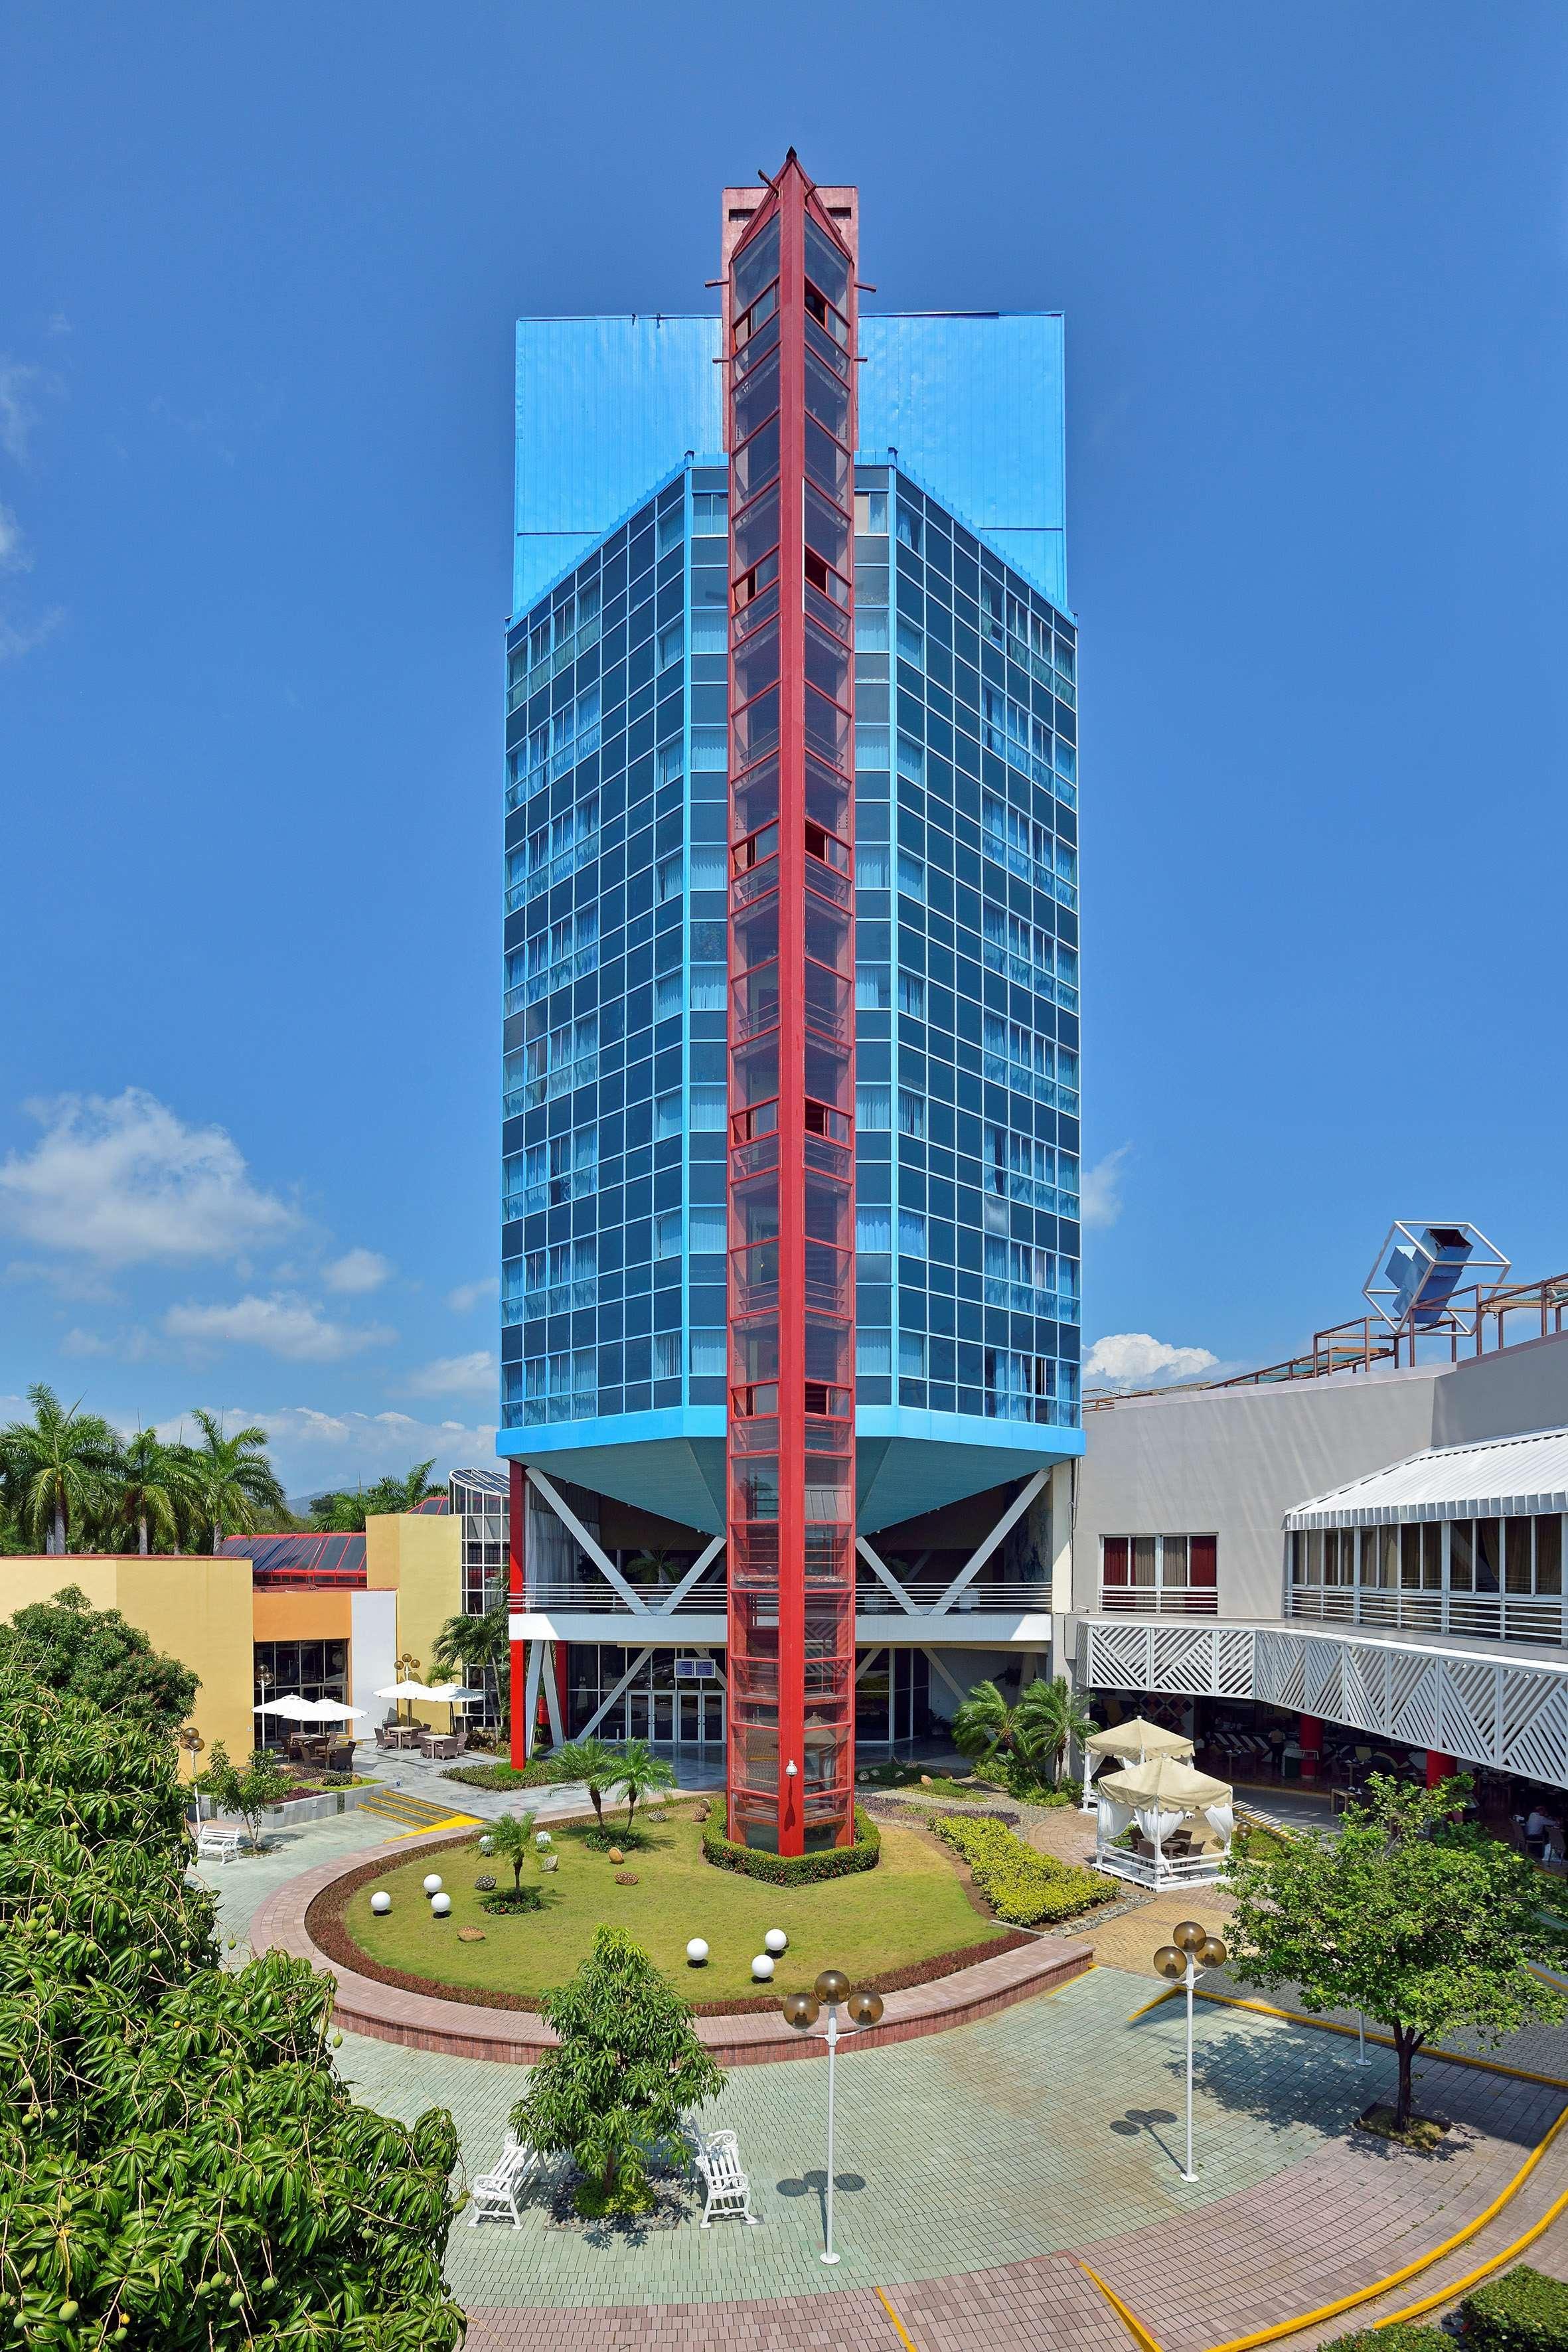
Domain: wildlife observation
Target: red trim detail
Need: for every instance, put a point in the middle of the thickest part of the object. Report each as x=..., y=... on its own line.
x=517, y=1589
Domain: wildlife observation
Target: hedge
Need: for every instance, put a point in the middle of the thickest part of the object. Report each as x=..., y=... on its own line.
x=795, y=1869
x=539, y=1772
x=1406, y=2336
x=1021, y=1886
x=1523, y=2311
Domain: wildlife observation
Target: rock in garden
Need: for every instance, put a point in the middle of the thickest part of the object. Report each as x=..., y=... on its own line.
x=470, y=1934
x=626, y=1878
x=615, y=1854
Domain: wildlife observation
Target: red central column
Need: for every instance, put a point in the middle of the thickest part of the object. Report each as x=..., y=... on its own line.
x=789, y=344
x=517, y=1589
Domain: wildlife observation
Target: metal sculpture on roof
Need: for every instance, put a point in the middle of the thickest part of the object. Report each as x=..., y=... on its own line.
x=1422, y=1268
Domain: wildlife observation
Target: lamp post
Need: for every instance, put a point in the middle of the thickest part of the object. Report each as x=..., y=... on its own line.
x=802, y=2009
x=408, y=1667
x=1191, y=1949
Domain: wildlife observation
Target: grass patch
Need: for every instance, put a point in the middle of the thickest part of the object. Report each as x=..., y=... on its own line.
x=910, y=1910
x=1422, y=2133
x=1523, y=2311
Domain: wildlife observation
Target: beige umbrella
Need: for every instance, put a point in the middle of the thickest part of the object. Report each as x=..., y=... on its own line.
x=1164, y=1781
x=1138, y=1737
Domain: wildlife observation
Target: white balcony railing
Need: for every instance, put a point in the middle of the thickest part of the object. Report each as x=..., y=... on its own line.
x=1159, y=1601
x=1479, y=1616
x=597, y=1597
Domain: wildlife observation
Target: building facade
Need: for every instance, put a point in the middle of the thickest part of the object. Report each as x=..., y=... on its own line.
x=800, y=816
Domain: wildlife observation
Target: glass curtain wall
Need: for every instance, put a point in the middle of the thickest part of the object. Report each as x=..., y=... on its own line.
x=790, y=330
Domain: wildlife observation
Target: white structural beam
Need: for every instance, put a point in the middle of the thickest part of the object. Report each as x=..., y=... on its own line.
x=704, y=1560
x=879, y=1567
x=934, y=1663
x=590, y=1545
x=553, y=1697
x=1063, y=1475
x=531, y=1696
x=868, y=1660
x=607, y=1702
x=977, y=1558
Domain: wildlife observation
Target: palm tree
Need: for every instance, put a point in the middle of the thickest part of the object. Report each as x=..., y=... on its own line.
x=985, y=1726
x=640, y=1773
x=1048, y=1715
x=413, y=1488
x=235, y=1484
x=512, y=1835
x=153, y=1489
x=590, y=1761
x=465, y=1643
x=55, y=1468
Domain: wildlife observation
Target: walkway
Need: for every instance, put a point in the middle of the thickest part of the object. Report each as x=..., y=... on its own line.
x=973, y=2168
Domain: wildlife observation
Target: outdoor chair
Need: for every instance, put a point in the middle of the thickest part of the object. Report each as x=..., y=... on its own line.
x=497, y=2191
x=218, y=1841
x=381, y=1737
x=341, y=1757
x=729, y=2191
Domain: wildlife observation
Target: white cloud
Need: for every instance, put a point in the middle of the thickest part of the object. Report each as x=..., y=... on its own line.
x=19, y=637
x=358, y=1270
x=1101, y=1202
x=84, y=1343
x=472, y=1375
x=312, y=1450
x=20, y=386
x=1137, y=1359
x=125, y=1180
x=284, y=1327
x=467, y=1295
x=14, y=556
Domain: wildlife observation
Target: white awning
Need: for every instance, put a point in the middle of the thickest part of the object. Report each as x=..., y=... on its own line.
x=1503, y=1476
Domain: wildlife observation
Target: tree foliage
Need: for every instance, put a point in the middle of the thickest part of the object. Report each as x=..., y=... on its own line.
x=235, y=1486
x=511, y=1837
x=152, y=1493
x=70, y=1646
x=1416, y=1918
x=344, y=1512
x=595, y=1764
x=57, y=1469
x=1033, y=1731
x=639, y=1773
x=627, y=2068
x=180, y=2166
x=464, y=1643
x=247, y=1789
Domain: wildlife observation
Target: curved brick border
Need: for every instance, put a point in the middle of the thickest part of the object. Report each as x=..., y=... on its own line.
x=464, y=2030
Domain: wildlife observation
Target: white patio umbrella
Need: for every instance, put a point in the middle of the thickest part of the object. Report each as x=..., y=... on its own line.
x=444, y=1692
x=294, y=1708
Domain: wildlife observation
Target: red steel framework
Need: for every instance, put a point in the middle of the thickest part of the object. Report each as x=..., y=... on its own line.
x=790, y=357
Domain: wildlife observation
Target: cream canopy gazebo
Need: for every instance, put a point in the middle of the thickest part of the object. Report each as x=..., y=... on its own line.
x=1158, y=1794
x=1132, y=1741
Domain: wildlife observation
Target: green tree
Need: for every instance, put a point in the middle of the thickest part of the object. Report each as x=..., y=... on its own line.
x=593, y=1763
x=1049, y=1716
x=67, y=1645
x=235, y=1486
x=639, y=1773
x=246, y=1789
x=345, y=1512
x=1416, y=1918
x=184, y=2171
x=627, y=2068
x=153, y=1493
x=56, y=1469
x=464, y=1643
x=511, y=1835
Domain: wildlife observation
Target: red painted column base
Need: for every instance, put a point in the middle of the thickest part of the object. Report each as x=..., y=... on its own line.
x=1438, y=1767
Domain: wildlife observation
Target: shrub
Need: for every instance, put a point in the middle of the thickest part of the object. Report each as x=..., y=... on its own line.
x=539, y=1772
x=1523, y=2311
x=795, y=1869
x=1022, y=1886
x=1407, y=2335
x=513, y=1898
x=607, y=1840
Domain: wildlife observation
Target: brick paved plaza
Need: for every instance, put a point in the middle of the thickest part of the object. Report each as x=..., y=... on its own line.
x=975, y=2164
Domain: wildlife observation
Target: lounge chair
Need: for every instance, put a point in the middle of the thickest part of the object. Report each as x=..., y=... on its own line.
x=495, y=2192
x=728, y=2191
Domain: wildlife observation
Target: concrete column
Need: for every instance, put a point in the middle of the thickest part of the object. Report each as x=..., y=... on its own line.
x=1310, y=1734
x=1438, y=1767
x=1061, y=1538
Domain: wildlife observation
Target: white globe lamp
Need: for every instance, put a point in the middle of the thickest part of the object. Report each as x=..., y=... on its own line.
x=762, y=1967
x=381, y=1902
x=776, y=1941
x=440, y=1906
x=696, y=1952
x=433, y=1882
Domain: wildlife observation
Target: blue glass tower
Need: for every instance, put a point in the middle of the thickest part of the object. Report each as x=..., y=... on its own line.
x=616, y=1388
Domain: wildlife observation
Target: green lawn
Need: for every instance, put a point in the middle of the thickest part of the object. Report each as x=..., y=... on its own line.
x=911, y=1908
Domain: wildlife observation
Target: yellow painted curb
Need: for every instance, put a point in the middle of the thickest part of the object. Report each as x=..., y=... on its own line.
x=1158, y=2002
x=429, y=1829
x=1410, y=2270
x=1130, y=2319
x=905, y=2339
x=1483, y=2270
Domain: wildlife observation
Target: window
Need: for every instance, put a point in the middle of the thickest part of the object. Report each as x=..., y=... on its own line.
x=1162, y=1574
x=911, y=1234
x=666, y=1235
x=706, y=1228
x=874, y=1230
x=666, y=1355
x=873, y=1355
x=912, y=995
x=911, y=1355
x=706, y=1355
x=911, y=1113
x=873, y=987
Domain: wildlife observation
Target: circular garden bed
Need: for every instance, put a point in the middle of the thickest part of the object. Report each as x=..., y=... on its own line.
x=914, y=1918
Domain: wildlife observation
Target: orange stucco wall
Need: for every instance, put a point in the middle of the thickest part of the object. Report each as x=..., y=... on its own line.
x=300, y=1616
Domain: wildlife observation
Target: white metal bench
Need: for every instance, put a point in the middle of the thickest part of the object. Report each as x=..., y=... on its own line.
x=495, y=2192
x=218, y=1841
x=729, y=2189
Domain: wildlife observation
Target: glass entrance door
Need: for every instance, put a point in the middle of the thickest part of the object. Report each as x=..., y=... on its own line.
x=700, y=1718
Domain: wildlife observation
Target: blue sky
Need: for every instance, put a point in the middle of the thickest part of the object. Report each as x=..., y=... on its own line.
x=254, y=560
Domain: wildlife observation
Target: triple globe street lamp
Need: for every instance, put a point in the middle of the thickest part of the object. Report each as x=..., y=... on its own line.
x=832, y=1992
x=1190, y=1950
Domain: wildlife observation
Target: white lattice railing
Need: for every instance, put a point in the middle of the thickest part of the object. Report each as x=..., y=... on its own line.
x=1509, y=1714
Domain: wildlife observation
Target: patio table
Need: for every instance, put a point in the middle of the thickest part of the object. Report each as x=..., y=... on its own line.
x=438, y=1744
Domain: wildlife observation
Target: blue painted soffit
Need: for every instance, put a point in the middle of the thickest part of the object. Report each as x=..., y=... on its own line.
x=673, y=1461
x=972, y=402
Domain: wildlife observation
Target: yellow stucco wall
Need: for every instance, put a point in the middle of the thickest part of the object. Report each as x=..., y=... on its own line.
x=295, y=1614
x=194, y=1608
x=420, y=1555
